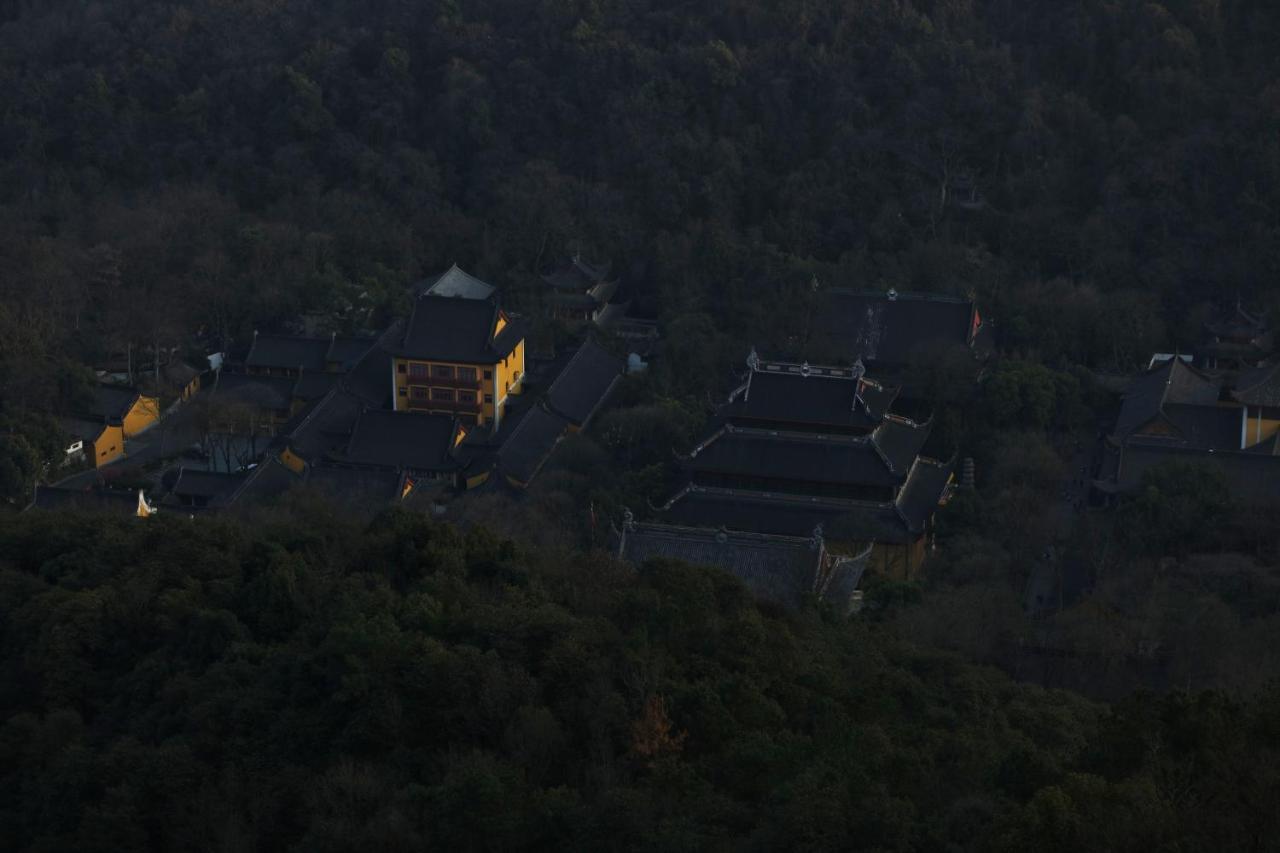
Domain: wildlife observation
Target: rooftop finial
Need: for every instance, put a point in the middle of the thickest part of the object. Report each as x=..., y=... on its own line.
x=815, y=540
x=628, y=519
x=893, y=294
x=753, y=359
x=859, y=369
x=804, y=369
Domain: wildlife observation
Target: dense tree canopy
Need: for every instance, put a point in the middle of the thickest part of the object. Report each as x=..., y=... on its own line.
x=310, y=685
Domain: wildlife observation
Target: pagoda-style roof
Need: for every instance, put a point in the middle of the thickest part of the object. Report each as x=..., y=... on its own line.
x=783, y=569
x=808, y=398
x=1170, y=382
x=1259, y=386
x=453, y=328
x=1239, y=326
x=455, y=282
x=881, y=459
x=577, y=276
x=788, y=515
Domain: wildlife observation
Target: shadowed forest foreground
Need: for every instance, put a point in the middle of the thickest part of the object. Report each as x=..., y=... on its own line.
x=311, y=685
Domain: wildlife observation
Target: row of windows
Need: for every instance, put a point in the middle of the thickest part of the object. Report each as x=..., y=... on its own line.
x=419, y=370
x=447, y=395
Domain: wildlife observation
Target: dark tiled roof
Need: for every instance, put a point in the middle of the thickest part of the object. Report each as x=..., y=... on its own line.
x=585, y=382
x=84, y=429
x=788, y=515
x=577, y=275
x=782, y=569
x=287, y=352
x=530, y=444
x=180, y=373
x=452, y=328
x=1217, y=427
x=900, y=441
x=361, y=486
x=455, y=282
x=370, y=378
x=326, y=426
x=265, y=392
x=1237, y=324
x=811, y=400
x=312, y=385
x=803, y=456
x=347, y=352
x=266, y=482
x=924, y=490
x=403, y=441
x=1171, y=381
x=1259, y=386
x=877, y=328
x=210, y=485
x=112, y=402
x=1251, y=477
x=86, y=500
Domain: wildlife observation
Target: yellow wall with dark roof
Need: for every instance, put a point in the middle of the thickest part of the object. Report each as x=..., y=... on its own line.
x=144, y=412
x=1262, y=424
x=505, y=377
x=106, y=447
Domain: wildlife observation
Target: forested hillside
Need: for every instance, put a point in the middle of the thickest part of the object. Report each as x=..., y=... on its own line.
x=1099, y=175
x=1095, y=171
x=308, y=685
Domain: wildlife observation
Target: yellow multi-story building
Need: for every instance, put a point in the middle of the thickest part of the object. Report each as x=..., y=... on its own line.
x=459, y=356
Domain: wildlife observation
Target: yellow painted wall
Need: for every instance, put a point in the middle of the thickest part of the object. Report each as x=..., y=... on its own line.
x=106, y=447
x=1259, y=429
x=145, y=412
x=891, y=559
x=507, y=378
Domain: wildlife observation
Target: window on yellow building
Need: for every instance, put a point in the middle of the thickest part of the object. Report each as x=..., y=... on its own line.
x=467, y=374
x=417, y=371
x=442, y=394
x=488, y=374
x=441, y=371
x=466, y=396
x=420, y=394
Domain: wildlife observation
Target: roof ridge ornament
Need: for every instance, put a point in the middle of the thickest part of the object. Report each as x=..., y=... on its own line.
x=893, y=294
x=815, y=539
x=805, y=369
x=753, y=359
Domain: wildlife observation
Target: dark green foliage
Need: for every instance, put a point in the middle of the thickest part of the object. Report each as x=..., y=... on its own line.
x=311, y=686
